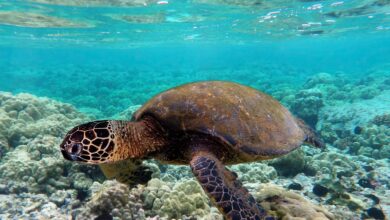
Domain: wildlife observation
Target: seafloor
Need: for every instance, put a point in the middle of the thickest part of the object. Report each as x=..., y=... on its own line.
x=348, y=180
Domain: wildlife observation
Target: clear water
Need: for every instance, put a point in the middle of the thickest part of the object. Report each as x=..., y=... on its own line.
x=103, y=56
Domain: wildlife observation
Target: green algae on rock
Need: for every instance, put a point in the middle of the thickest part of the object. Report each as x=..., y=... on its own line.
x=289, y=205
x=290, y=164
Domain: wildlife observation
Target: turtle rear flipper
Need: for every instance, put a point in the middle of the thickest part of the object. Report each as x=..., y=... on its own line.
x=128, y=171
x=224, y=189
x=311, y=136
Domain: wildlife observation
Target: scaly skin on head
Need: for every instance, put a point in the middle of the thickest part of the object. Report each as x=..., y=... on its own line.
x=112, y=141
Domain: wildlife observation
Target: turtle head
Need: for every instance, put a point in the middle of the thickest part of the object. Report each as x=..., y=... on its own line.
x=92, y=143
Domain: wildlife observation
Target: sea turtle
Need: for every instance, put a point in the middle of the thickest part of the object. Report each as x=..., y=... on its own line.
x=207, y=125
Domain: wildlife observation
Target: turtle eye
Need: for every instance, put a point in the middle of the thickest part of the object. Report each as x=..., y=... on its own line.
x=76, y=148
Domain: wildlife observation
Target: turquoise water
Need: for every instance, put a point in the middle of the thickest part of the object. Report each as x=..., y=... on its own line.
x=327, y=61
x=68, y=74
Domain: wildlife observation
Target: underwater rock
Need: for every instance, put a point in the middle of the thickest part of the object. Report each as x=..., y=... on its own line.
x=176, y=199
x=375, y=213
x=335, y=171
x=366, y=183
x=358, y=130
x=23, y=174
x=320, y=190
x=367, y=93
x=382, y=120
x=4, y=147
x=255, y=172
x=290, y=164
x=35, y=167
x=289, y=205
x=340, y=174
x=319, y=79
x=330, y=86
x=358, y=112
x=295, y=186
x=328, y=132
x=25, y=116
x=113, y=200
x=36, y=206
x=307, y=104
x=372, y=142
x=341, y=120
x=352, y=201
x=374, y=198
x=34, y=127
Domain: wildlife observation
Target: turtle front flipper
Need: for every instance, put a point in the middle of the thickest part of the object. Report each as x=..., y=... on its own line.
x=224, y=189
x=130, y=171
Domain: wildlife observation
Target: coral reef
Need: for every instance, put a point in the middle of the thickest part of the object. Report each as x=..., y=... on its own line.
x=382, y=120
x=339, y=121
x=350, y=179
x=347, y=180
x=307, y=104
x=289, y=205
x=290, y=164
x=24, y=117
x=255, y=172
x=34, y=129
x=176, y=199
x=321, y=80
x=113, y=200
x=38, y=206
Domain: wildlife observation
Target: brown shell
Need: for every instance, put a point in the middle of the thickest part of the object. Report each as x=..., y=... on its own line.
x=248, y=121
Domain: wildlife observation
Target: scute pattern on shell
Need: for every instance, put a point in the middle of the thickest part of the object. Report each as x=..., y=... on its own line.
x=251, y=123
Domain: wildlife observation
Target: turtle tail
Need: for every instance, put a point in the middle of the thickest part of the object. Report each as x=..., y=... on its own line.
x=311, y=136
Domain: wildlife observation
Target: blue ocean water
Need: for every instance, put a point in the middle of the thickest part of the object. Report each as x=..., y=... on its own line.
x=290, y=40
x=327, y=61
x=65, y=73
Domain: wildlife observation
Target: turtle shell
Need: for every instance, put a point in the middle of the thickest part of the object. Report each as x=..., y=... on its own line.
x=246, y=120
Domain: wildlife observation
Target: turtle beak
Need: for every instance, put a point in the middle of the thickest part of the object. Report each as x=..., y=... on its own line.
x=71, y=151
x=69, y=156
